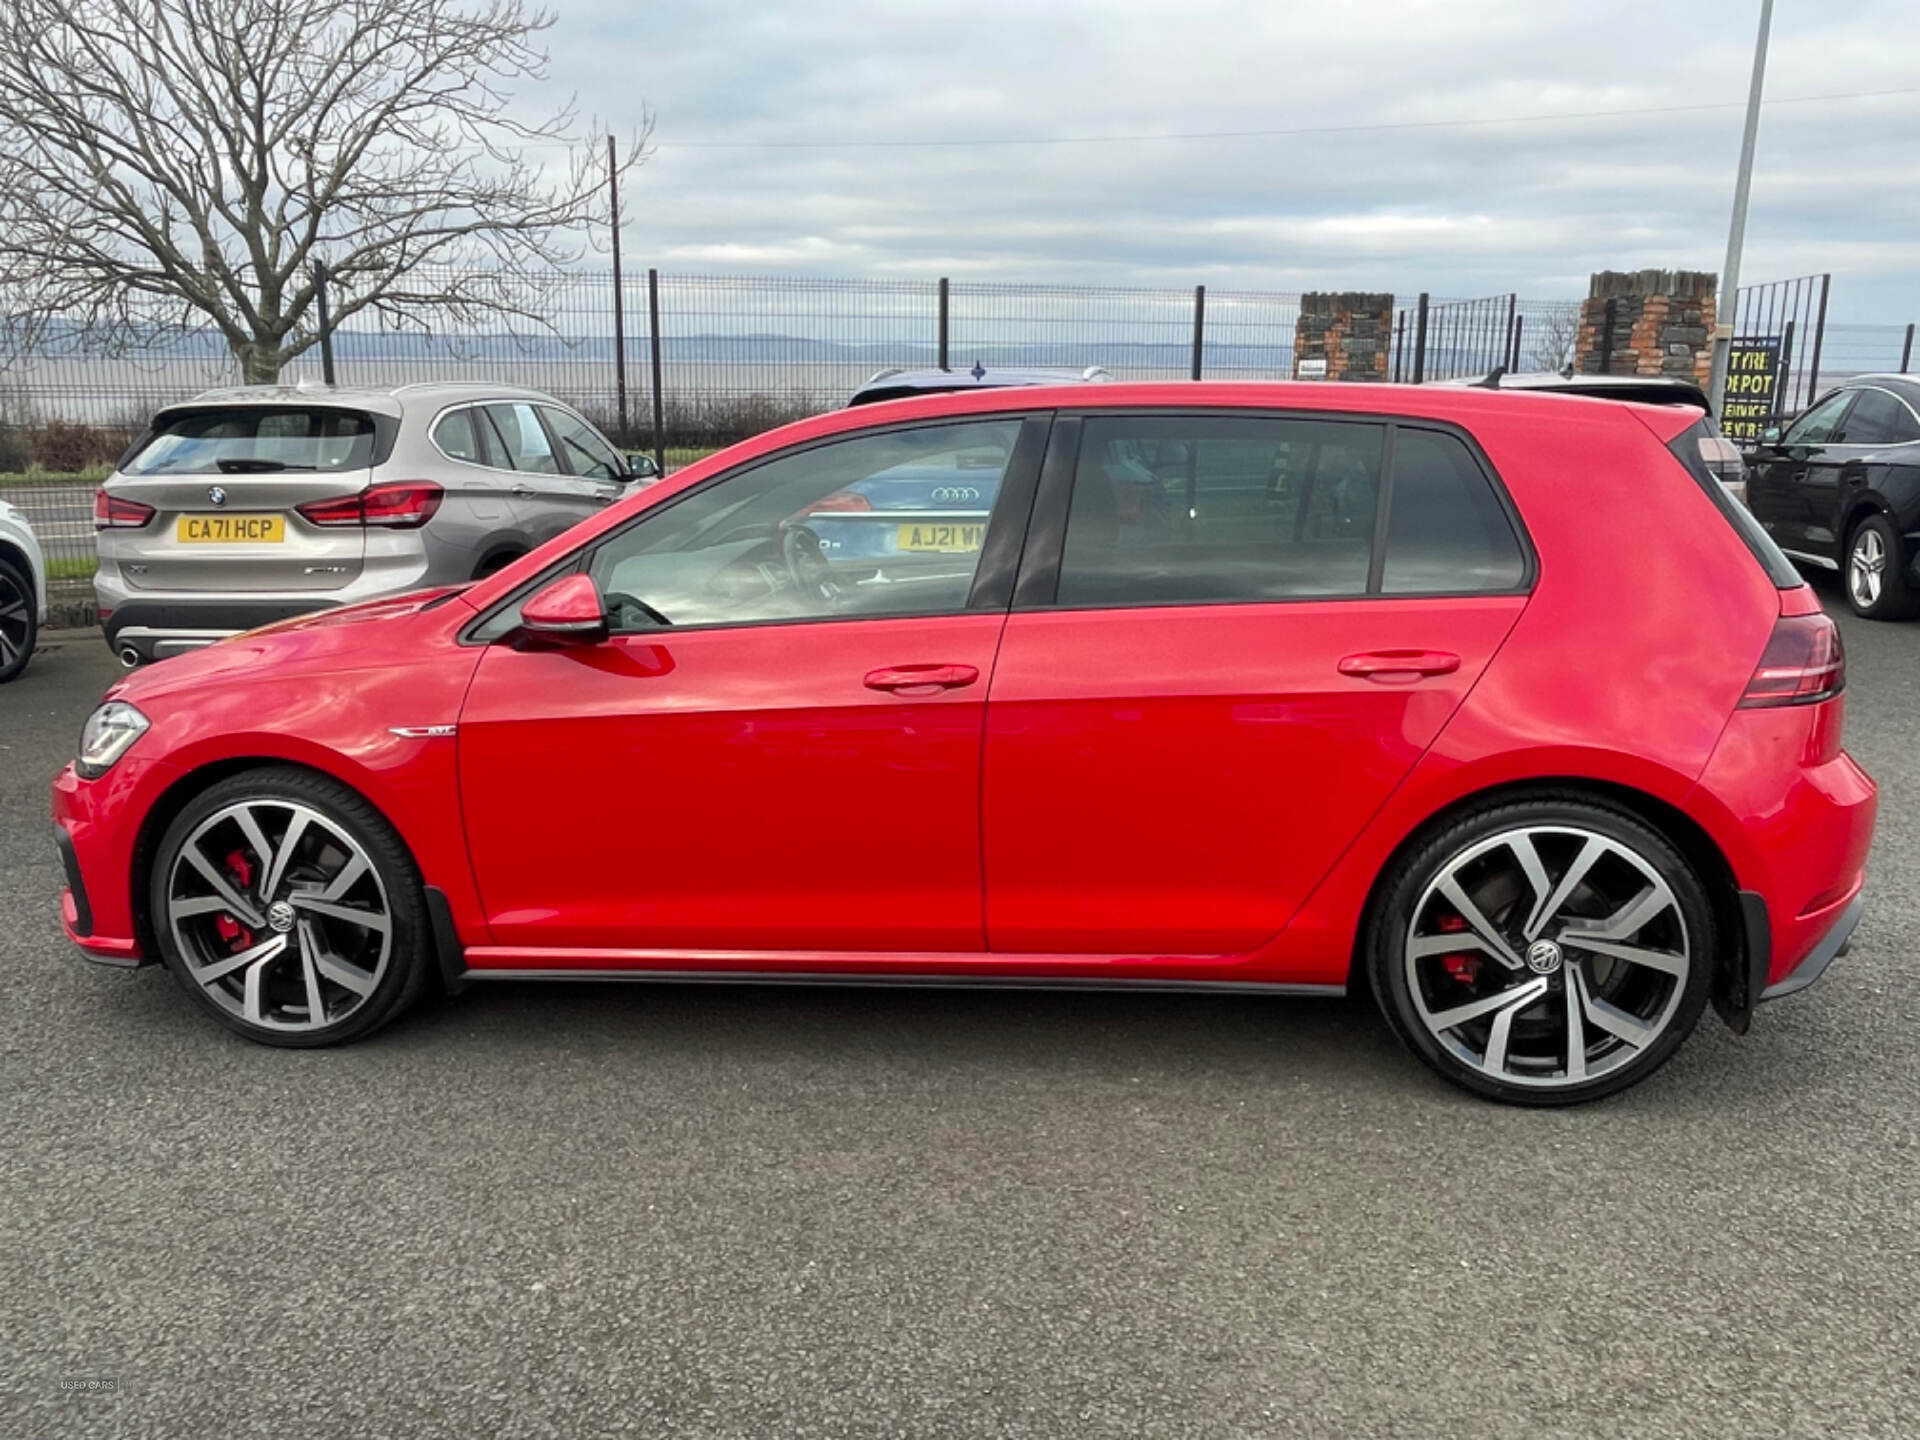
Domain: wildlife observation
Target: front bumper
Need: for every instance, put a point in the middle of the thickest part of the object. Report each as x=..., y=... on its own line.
x=97, y=825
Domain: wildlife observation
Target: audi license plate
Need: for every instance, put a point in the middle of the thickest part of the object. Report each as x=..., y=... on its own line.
x=942, y=537
x=230, y=529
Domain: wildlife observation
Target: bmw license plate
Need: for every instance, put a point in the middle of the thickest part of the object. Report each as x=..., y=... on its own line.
x=942, y=537
x=230, y=529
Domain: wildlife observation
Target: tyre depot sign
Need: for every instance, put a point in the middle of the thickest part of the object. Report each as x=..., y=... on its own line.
x=1752, y=396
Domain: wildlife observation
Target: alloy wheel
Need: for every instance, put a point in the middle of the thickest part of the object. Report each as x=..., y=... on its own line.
x=280, y=915
x=1867, y=567
x=16, y=621
x=1547, y=956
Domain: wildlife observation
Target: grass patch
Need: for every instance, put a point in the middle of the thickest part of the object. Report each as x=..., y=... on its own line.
x=71, y=567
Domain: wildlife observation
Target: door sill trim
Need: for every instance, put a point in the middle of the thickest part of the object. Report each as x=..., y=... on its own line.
x=923, y=981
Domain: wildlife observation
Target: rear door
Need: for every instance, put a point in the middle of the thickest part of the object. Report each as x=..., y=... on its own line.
x=546, y=498
x=225, y=484
x=1233, y=635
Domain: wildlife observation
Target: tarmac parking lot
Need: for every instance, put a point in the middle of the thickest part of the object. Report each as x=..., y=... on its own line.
x=576, y=1210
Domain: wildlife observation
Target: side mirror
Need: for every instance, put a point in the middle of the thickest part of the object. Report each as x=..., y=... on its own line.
x=641, y=467
x=567, y=612
x=1770, y=435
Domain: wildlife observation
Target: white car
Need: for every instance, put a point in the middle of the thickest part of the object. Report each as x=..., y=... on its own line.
x=23, y=591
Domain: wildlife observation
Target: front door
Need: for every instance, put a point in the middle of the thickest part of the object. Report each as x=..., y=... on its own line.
x=1224, y=666
x=777, y=752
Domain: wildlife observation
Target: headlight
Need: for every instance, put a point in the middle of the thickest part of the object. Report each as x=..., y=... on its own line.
x=106, y=736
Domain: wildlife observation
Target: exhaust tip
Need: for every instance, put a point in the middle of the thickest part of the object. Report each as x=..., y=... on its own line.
x=129, y=657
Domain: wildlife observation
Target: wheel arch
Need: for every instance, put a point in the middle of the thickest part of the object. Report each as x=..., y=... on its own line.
x=1861, y=507
x=1696, y=846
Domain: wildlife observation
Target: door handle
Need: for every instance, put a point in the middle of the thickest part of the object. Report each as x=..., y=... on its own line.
x=921, y=679
x=525, y=492
x=1390, y=667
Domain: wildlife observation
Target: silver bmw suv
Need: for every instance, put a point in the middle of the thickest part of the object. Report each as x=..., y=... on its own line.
x=245, y=506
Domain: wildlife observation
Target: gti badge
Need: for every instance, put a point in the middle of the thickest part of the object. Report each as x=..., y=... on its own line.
x=217, y=495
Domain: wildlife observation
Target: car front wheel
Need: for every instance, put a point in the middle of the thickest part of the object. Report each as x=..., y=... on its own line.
x=18, y=623
x=290, y=911
x=1543, y=952
x=1876, y=572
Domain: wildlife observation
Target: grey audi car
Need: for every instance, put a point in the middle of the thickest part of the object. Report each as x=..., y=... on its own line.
x=245, y=506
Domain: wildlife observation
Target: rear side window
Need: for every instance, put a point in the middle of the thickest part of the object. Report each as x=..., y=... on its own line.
x=1878, y=418
x=1447, y=531
x=1177, y=509
x=454, y=437
x=255, y=440
x=1689, y=448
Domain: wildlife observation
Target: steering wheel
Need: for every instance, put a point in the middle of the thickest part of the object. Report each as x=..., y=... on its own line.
x=806, y=561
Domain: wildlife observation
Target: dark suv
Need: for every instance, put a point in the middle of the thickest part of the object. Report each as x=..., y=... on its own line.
x=1840, y=490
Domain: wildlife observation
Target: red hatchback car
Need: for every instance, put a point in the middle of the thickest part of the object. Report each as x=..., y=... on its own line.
x=1492, y=703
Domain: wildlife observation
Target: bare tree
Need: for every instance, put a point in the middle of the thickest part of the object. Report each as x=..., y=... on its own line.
x=1554, y=333
x=187, y=161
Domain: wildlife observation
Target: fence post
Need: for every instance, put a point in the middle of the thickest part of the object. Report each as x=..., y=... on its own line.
x=943, y=322
x=1199, y=325
x=1819, y=334
x=1506, y=331
x=1786, y=368
x=1513, y=343
x=619, y=307
x=1399, y=345
x=320, y=279
x=1906, y=350
x=1606, y=339
x=653, y=340
x=1420, y=340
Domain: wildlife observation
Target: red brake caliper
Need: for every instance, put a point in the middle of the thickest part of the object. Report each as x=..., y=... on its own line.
x=1465, y=966
x=232, y=933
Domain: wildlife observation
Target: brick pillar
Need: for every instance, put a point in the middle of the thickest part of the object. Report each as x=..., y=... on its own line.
x=1352, y=332
x=1662, y=323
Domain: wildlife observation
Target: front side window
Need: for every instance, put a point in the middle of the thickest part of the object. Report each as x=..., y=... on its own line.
x=1182, y=509
x=1816, y=427
x=884, y=524
x=587, y=454
x=255, y=440
x=521, y=438
x=1879, y=418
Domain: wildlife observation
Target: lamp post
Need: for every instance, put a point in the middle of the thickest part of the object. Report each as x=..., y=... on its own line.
x=1729, y=300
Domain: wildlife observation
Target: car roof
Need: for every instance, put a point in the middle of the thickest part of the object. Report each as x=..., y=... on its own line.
x=393, y=400
x=1905, y=386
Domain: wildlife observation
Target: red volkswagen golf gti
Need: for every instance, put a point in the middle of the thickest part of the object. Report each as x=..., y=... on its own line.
x=1491, y=703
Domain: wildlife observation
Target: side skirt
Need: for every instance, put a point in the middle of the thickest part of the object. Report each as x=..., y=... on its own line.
x=912, y=981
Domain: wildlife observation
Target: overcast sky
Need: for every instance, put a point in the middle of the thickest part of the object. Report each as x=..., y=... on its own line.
x=1467, y=210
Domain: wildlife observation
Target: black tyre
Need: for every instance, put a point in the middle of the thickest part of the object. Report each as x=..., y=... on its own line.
x=1875, y=572
x=19, y=620
x=290, y=911
x=1542, y=952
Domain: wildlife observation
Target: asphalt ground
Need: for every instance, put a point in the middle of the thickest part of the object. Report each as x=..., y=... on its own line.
x=698, y=1211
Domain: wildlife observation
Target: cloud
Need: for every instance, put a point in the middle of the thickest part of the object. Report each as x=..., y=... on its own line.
x=1533, y=206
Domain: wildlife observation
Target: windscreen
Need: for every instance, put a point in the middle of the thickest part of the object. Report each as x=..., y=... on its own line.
x=255, y=440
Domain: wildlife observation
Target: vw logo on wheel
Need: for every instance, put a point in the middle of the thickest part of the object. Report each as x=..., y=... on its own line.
x=954, y=494
x=1543, y=957
x=216, y=495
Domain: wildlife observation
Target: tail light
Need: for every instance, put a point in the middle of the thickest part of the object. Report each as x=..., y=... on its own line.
x=1803, y=663
x=840, y=501
x=397, y=505
x=116, y=512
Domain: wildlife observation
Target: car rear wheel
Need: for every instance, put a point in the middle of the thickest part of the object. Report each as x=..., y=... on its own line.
x=19, y=625
x=290, y=911
x=1543, y=952
x=1876, y=571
